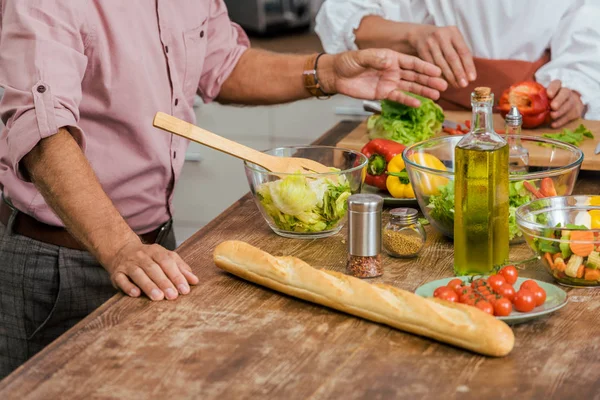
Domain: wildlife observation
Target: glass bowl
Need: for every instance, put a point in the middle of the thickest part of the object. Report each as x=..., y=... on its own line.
x=549, y=226
x=434, y=187
x=307, y=206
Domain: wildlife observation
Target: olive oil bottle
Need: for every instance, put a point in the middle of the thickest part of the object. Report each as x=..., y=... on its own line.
x=481, y=193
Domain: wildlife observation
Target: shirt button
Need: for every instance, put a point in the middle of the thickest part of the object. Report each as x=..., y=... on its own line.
x=41, y=89
x=176, y=102
x=201, y=34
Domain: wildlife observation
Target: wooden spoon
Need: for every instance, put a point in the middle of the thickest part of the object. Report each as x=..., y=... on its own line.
x=287, y=165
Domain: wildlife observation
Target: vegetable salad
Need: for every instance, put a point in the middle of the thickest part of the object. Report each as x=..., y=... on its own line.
x=572, y=253
x=303, y=204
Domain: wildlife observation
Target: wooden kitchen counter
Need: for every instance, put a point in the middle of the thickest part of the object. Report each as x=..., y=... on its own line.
x=230, y=339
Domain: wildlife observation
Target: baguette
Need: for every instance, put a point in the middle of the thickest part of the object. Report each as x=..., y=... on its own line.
x=458, y=324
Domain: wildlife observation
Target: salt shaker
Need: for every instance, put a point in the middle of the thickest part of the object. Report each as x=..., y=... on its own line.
x=364, y=235
x=518, y=155
x=403, y=235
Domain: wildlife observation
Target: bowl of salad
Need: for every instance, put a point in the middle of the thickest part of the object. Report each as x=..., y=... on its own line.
x=565, y=233
x=551, y=169
x=307, y=206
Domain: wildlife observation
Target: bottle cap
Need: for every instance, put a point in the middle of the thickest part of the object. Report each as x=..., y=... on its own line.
x=364, y=224
x=404, y=215
x=514, y=117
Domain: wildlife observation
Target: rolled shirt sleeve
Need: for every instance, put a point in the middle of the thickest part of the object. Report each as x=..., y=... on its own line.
x=576, y=55
x=227, y=43
x=41, y=68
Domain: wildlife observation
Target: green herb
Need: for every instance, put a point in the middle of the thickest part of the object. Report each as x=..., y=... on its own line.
x=300, y=204
x=568, y=136
x=575, y=227
x=405, y=124
x=423, y=221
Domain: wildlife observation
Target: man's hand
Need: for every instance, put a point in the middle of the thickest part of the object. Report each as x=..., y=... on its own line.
x=566, y=104
x=380, y=74
x=446, y=48
x=158, y=272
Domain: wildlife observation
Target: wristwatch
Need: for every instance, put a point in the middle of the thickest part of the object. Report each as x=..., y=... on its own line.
x=311, y=80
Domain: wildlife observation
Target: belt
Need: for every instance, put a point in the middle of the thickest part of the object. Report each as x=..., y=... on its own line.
x=32, y=228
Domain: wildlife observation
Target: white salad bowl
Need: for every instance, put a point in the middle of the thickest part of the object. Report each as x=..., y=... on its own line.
x=308, y=206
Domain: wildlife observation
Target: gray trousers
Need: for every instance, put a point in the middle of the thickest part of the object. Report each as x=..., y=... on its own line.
x=44, y=291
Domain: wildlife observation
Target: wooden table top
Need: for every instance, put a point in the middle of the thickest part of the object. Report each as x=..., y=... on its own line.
x=230, y=339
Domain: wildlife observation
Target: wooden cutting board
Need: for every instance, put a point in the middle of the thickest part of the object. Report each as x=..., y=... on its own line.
x=359, y=137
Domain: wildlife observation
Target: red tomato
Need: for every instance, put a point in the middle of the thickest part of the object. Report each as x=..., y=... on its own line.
x=529, y=285
x=496, y=281
x=468, y=299
x=506, y=291
x=437, y=292
x=510, y=274
x=449, y=295
x=524, y=301
x=455, y=284
x=485, y=307
x=540, y=296
x=478, y=282
x=502, y=307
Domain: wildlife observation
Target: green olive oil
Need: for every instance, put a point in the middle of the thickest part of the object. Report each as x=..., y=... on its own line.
x=481, y=194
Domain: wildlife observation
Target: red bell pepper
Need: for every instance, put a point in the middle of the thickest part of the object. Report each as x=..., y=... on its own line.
x=532, y=101
x=380, y=152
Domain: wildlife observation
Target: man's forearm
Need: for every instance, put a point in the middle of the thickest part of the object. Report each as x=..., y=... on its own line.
x=262, y=77
x=67, y=182
x=377, y=32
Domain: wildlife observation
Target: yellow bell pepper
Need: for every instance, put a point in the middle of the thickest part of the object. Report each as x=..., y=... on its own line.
x=595, y=214
x=429, y=183
x=397, y=182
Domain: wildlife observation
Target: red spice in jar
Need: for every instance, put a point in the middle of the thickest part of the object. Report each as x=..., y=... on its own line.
x=364, y=266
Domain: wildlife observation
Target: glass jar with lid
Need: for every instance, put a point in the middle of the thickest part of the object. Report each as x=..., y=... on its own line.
x=403, y=235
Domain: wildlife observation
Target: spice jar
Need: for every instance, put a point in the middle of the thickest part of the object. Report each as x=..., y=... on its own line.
x=403, y=235
x=364, y=235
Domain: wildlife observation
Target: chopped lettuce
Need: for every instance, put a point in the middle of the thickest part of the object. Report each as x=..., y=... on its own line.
x=302, y=204
x=569, y=136
x=405, y=124
x=442, y=206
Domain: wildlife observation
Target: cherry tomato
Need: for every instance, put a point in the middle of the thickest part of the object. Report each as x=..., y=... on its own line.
x=495, y=281
x=524, y=301
x=510, y=274
x=529, y=284
x=485, y=307
x=437, y=292
x=540, y=296
x=502, y=307
x=478, y=282
x=449, y=295
x=506, y=291
x=491, y=298
x=468, y=299
x=455, y=284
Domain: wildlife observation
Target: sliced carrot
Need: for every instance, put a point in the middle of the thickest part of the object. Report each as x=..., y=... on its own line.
x=560, y=266
x=582, y=249
x=533, y=190
x=592, y=274
x=548, y=258
x=556, y=255
x=580, y=271
x=547, y=187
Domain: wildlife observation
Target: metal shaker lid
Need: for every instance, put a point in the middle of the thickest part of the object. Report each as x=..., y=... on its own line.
x=364, y=224
x=365, y=203
x=514, y=117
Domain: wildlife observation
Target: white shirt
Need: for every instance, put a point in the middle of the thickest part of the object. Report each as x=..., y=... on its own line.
x=496, y=29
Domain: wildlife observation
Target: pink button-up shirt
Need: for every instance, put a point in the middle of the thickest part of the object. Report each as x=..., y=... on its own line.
x=102, y=69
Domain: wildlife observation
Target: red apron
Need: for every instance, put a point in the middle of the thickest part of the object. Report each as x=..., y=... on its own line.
x=495, y=74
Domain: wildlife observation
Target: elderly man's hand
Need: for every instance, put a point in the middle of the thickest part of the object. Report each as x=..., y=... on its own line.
x=565, y=104
x=375, y=74
x=158, y=272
